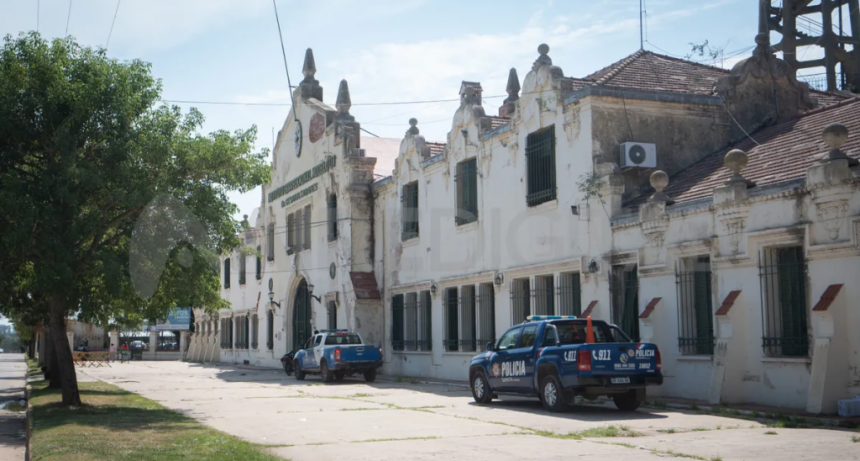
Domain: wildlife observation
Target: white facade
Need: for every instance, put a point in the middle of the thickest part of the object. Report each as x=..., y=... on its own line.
x=509, y=256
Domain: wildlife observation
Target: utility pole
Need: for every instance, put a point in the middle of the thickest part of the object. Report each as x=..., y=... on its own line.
x=641, y=35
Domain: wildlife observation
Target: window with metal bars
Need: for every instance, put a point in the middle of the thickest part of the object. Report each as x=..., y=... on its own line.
x=270, y=330
x=332, y=217
x=410, y=211
x=229, y=325
x=259, y=272
x=783, y=293
x=270, y=242
x=255, y=331
x=243, y=263
x=227, y=273
x=486, y=315
x=569, y=294
x=291, y=233
x=452, y=327
x=544, y=295
x=307, y=230
x=425, y=330
x=468, y=319
x=540, y=166
x=695, y=306
x=397, y=305
x=625, y=299
x=520, y=300
x=467, y=192
x=410, y=318
x=332, y=315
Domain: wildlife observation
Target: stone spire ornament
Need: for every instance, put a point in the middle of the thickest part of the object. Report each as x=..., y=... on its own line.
x=835, y=136
x=344, y=102
x=659, y=181
x=413, y=126
x=309, y=87
x=509, y=105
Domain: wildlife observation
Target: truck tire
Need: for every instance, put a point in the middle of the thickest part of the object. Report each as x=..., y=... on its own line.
x=370, y=375
x=326, y=374
x=481, y=391
x=628, y=401
x=339, y=376
x=552, y=394
x=300, y=374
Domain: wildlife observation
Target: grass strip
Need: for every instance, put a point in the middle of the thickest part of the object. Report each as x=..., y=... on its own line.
x=117, y=425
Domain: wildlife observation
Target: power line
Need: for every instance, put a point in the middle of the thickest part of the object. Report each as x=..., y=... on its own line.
x=284, y=53
x=112, y=23
x=68, y=18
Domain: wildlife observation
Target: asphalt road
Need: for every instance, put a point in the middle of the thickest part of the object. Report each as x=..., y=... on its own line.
x=12, y=382
x=386, y=420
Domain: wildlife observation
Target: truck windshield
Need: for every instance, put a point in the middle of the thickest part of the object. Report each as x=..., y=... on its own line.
x=574, y=333
x=346, y=338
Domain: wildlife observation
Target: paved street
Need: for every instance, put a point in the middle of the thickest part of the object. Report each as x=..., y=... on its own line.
x=395, y=421
x=12, y=381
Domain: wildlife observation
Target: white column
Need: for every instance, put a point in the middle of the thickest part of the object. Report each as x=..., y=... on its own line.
x=817, y=380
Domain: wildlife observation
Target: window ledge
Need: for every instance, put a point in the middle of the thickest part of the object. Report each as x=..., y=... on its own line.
x=412, y=241
x=550, y=205
x=695, y=358
x=797, y=360
x=427, y=353
x=332, y=243
x=468, y=227
x=462, y=354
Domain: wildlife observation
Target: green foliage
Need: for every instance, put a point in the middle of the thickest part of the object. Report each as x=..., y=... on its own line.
x=85, y=153
x=589, y=186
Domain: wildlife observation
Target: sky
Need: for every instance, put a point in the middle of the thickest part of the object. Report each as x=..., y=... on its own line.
x=388, y=50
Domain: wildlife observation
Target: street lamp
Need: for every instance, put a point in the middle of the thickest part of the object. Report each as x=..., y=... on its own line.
x=311, y=293
x=272, y=300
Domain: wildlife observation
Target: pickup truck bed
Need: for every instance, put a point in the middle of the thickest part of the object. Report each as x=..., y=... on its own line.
x=335, y=354
x=555, y=361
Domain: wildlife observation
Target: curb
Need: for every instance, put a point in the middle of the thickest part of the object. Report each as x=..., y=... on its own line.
x=28, y=425
x=761, y=415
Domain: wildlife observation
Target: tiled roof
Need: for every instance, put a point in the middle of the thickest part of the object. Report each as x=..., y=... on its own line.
x=784, y=153
x=436, y=148
x=646, y=70
x=827, y=98
x=496, y=122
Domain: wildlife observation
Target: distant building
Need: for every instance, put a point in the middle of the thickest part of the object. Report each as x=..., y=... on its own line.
x=714, y=213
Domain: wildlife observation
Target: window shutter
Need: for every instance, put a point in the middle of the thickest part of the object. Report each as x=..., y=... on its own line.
x=703, y=308
x=397, y=322
x=307, y=239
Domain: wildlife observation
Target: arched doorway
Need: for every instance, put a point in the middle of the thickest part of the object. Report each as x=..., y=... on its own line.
x=301, y=316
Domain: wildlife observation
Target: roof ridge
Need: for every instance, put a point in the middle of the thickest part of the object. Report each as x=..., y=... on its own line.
x=818, y=110
x=618, y=66
x=686, y=61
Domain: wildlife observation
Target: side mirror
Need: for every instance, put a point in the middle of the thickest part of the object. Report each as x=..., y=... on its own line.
x=491, y=347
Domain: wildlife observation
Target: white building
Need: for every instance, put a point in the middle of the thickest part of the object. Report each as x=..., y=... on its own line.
x=744, y=281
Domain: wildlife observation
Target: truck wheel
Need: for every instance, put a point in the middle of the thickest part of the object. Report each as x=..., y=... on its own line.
x=628, y=401
x=552, y=395
x=287, y=369
x=481, y=391
x=300, y=374
x=370, y=375
x=339, y=376
x=326, y=374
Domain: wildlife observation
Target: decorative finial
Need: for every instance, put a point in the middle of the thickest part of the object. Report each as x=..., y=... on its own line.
x=543, y=59
x=513, y=88
x=245, y=216
x=659, y=181
x=736, y=160
x=309, y=69
x=835, y=135
x=543, y=49
x=343, y=102
x=413, y=126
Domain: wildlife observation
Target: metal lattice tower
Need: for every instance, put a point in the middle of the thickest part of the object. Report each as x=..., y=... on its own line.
x=833, y=25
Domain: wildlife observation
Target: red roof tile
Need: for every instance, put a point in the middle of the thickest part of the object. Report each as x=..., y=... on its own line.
x=784, y=153
x=728, y=303
x=496, y=122
x=827, y=298
x=646, y=70
x=649, y=308
x=436, y=148
x=364, y=284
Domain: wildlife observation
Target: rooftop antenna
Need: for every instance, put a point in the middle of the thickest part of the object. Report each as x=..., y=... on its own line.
x=641, y=36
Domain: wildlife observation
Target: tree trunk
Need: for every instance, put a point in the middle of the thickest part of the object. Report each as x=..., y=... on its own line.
x=66, y=366
x=51, y=367
x=31, y=349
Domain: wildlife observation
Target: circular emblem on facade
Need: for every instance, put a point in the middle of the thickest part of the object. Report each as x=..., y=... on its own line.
x=496, y=370
x=637, y=154
x=317, y=128
x=271, y=284
x=623, y=358
x=299, y=138
x=630, y=352
x=332, y=271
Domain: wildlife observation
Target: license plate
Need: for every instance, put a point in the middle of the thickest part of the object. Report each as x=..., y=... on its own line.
x=621, y=380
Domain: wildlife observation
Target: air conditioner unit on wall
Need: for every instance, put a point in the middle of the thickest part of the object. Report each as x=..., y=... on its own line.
x=639, y=155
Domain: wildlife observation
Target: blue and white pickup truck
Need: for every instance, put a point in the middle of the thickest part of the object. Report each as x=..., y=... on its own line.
x=549, y=357
x=335, y=354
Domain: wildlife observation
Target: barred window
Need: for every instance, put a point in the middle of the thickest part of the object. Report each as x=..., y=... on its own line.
x=625, y=299
x=520, y=300
x=332, y=217
x=452, y=328
x=255, y=331
x=227, y=273
x=270, y=242
x=410, y=317
x=298, y=227
x=291, y=233
x=695, y=306
x=242, y=268
x=783, y=293
x=229, y=333
x=270, y=330
x=307, y=239
x=467, y=192
x=410, y=211
x=486, y=315
x=425, y=330
x=540, y=165
x=259, y=273
x=544, y=294
x=397, y=305
x=332, y=315
x=468, y=319
x=569, y=294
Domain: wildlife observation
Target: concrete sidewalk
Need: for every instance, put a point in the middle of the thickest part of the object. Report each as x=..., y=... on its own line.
x=13, y=442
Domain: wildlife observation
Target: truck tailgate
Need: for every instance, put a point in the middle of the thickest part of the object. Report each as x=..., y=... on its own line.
x=622, y=358
x=359, y=353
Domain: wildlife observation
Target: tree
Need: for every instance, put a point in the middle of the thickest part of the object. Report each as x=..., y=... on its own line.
x=85, y=154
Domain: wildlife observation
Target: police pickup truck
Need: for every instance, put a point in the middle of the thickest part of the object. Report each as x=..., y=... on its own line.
x=335, y=354
x=557, y=358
